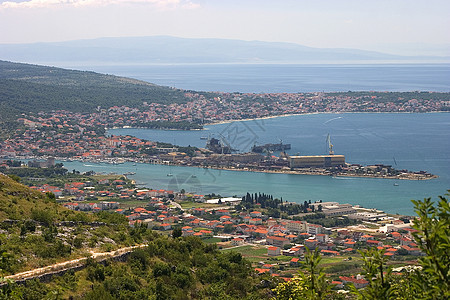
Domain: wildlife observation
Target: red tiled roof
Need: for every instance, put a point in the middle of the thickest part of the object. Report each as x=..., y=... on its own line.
x=261, y=270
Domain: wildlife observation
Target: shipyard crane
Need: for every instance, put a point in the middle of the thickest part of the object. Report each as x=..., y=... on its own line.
x=268, y=153
x=329, y=145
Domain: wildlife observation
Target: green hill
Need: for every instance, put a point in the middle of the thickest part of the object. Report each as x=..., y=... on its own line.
x=33, y=88
x=18, y=202
x=32, y=235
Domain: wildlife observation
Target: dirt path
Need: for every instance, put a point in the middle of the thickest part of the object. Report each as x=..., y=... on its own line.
x=70, y=263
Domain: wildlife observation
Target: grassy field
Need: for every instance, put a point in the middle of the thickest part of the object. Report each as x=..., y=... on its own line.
x=332, y=259
x=212, y=240
x=124, y=204
x=281, y=258
x=340, y=265
x=191, y=204
x=252, y=253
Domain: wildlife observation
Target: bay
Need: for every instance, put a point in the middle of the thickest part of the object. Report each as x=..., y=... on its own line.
x=406, y=141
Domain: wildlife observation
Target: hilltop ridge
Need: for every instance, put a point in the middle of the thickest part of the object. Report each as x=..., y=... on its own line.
x=170, y=49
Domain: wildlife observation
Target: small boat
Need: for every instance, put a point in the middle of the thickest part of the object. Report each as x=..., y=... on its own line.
x=203, y=138
x=395, y=184
x=193, y=176
x=170, y=174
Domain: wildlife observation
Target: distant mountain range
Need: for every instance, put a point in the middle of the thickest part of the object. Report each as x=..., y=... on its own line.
x=165, y=49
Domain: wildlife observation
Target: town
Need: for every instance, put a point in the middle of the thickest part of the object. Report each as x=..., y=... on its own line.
x=271, y=233
x=81, y=136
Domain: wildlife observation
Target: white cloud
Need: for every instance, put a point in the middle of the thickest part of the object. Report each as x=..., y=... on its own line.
x=160, y=4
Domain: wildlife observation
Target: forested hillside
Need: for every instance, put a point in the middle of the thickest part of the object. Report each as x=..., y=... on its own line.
x=32, y=88
x=31, y=236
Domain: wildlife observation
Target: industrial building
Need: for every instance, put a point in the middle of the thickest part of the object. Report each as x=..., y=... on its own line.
x=321, y=161
x=334, y=208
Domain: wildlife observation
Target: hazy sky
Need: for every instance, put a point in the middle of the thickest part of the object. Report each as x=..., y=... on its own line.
x=395, y=26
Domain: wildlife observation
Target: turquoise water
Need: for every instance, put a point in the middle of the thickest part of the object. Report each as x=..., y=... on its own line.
x=407, y=141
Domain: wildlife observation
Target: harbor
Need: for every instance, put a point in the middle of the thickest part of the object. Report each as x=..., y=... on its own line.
x=365, y=139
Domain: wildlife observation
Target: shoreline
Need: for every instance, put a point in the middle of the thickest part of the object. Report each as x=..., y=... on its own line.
x=408, y=176
x=320, y=173
x=318, y=113
x=277, y=116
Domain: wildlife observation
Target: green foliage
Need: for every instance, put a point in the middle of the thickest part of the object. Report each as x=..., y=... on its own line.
x=27, y=226
x=179, y=125
x=111, y=218
x=396, y=97
x=78, y=241
x=9, y=290
x=27, y=88
x=24, y=173
x=6, y=261
x=320, y=219
x=46, y=217
x=96, y=272
x=54, y=250
x=14, y=177
x=310, y=282
x=433, y=238
x=377, y=274
x=79, y=217
x=183, y=268
x=176, y=232
x=428, y=281
x=314, y=277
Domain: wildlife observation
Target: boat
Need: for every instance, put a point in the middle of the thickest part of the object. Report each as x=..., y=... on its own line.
x=170, y=174
x=129, y=173
x=271, y=147
x=203, y=137
x=218, y=147
x=395, y=184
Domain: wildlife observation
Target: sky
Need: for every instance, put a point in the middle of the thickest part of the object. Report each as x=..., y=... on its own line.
x=412, y=27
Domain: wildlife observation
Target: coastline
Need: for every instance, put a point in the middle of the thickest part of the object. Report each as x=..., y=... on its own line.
x=278, y=116
x=407, y=176
x=255, y=119
x=318, y=113
x=321, y=173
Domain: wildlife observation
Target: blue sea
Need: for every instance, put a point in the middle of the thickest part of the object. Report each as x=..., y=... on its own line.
x=290, y=78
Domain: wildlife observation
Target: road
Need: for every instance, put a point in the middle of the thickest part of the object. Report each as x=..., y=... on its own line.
x=70, y=263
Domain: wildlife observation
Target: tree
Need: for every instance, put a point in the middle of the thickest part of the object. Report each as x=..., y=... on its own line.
x=15, y=177
x=228, y=228
x=428, y=281
x=378, y=275
x=176, y=232
x=309, y=283
x=433, y=238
